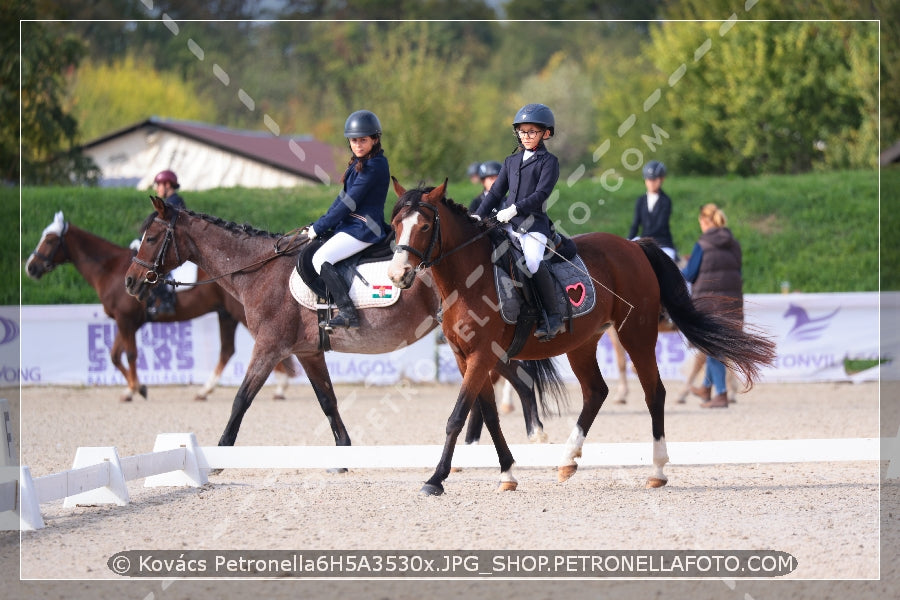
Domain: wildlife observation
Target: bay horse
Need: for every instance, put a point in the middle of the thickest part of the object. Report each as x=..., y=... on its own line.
x=103, y=265
x=634, y=282
x=254, y=266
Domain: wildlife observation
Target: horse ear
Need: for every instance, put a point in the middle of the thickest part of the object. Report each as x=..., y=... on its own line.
x=437, y=193
x=398, y=189
x=159, y=204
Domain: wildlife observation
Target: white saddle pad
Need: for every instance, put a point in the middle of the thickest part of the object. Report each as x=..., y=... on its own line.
x=376, y=293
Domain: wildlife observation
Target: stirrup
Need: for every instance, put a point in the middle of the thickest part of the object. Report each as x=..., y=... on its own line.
x=340, y=321
x=543, y=332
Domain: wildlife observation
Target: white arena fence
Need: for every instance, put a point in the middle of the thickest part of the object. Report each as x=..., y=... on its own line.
x=99, y=475
x=814, y=333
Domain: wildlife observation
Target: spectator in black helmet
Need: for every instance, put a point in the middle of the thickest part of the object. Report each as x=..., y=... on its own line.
x=472, y=172
x=653, y=210
x=487, y=174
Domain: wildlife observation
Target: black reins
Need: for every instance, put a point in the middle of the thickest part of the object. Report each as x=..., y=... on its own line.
x=152, y=276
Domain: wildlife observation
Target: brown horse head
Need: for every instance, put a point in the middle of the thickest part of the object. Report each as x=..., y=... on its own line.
x=158, y=253
x=416, y=223
x=51, y=249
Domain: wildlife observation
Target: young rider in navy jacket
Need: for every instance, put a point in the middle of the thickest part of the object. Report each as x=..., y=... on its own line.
x=529, y=175
x=653, y=210
x=356, y=218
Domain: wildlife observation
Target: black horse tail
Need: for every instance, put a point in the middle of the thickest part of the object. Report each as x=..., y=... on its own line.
x=712, y=334
x=551, y=391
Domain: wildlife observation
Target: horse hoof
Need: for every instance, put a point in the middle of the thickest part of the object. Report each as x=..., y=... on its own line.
x=507, y=486
x=539, y=437
x=505, y=409
x=143, y=391
x=125, y=398
x=200, y=398
x=337, y=470
x=430, y=489
x=563, y=473
x=214, y=472
x=455, y=470
x=656, y=482
x=279, y=397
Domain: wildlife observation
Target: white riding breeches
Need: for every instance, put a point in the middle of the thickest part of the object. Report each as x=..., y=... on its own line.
x=338, y=247
x=534, y=246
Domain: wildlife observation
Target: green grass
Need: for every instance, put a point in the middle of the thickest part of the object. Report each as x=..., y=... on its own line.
x=817, y=231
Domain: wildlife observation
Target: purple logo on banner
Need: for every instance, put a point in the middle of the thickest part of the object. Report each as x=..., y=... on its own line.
x=806, y=329
x=162, y=346
x=9, y=330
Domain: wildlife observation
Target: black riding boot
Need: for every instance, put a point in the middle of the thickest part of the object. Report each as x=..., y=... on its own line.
x=347, y=317
x=546, y=289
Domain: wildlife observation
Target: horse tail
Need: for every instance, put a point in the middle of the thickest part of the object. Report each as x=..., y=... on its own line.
x=546, y=381
x=712, y=334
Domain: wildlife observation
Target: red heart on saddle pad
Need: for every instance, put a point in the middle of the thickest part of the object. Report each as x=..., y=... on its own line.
x=577, y=293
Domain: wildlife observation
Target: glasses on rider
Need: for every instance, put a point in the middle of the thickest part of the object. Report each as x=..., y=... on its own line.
x=530, y=134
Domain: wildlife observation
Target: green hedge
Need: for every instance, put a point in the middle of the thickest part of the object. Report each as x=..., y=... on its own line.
x=817, y=231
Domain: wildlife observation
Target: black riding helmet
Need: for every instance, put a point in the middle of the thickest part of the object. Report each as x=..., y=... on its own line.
x=654, y=170
x=490, y=168
x=362, y=123
x=539, y=114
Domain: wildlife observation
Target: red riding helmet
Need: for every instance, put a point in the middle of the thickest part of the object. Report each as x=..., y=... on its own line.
x=167, y=176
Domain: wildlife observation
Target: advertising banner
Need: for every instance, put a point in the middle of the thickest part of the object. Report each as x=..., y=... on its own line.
x=70, y=344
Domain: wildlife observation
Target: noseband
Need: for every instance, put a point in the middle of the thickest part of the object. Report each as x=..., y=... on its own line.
x=425, y=258
x=436, y=241
x=48, y=261
x=152, y=275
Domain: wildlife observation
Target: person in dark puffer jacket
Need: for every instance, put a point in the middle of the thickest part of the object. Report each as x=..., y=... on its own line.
x=714, y=269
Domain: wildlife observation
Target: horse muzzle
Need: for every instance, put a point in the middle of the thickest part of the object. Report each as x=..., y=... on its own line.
x=401, y=275
x=138, y=287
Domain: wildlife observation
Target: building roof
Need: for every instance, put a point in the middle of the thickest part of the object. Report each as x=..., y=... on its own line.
x=300, y=155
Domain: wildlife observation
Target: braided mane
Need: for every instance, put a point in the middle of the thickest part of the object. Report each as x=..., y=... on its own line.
x=245, y=229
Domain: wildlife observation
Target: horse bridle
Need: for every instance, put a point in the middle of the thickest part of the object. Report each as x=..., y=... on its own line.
x=425, y=257
x=436, y=240
x=47, y=261
x=152, y=275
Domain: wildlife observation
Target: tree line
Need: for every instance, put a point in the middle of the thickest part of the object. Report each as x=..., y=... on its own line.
x=755, y=88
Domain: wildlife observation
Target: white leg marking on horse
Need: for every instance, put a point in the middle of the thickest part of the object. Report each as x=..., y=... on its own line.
x=572, y=448
x=506, y=397
x=660, y=457
x=210, y=384
x=507, y=476
x=281, y=383
x=538, y=436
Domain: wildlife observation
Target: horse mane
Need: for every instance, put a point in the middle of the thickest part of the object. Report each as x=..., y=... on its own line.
x=413, y=198
x=231, y=226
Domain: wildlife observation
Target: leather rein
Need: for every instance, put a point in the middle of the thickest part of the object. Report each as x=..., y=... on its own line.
x=152, y=276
